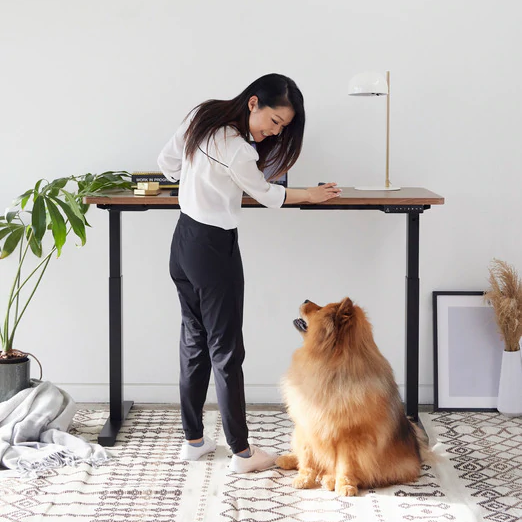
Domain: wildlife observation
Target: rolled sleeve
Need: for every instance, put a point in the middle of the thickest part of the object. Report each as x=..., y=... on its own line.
x=244, y=172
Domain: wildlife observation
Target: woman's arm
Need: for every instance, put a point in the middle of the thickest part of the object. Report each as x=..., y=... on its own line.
x=312, y=194
x=171, y=156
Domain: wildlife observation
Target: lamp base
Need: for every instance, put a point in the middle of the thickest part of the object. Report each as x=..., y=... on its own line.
x=377, y=188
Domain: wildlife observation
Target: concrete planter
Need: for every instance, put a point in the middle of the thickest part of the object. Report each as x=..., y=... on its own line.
x=15, y=376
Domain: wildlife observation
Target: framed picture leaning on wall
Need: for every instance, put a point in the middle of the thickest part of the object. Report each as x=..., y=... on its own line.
x=467, y=349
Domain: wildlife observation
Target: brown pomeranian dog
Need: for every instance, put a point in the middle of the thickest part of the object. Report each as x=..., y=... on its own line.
x=350, y=427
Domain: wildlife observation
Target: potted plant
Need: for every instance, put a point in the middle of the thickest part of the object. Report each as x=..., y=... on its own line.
x=505, y=296
x=41, y=219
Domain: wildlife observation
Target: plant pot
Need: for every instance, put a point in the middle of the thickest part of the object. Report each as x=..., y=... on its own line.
x=15, y=376
x=509, y=401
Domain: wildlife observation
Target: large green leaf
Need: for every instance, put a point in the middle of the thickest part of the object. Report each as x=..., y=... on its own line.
x=116, y=176
x=37, y=188
x=85, y=208
x=90, y=185
x=5, y=231
x=38, y=218
x=36, y=246
x=25, y=199
x=73, y=204
x=77, y=224
x=12, y=241
x=22, y=200
x=98, y=184
x=11, y=214
x=54, y=187
x=58, y=225
x=60, y=182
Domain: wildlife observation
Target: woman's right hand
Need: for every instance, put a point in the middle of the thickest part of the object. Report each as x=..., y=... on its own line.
x=312, y=194
x=323, y=192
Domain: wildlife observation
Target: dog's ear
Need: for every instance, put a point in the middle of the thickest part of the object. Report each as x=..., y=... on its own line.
x=345, y=311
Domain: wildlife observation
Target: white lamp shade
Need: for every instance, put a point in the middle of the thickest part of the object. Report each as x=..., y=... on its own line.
x=368, y=84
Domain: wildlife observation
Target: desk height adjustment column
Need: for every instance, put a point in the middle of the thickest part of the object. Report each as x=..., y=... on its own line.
x=412, y=316
x=118, y=408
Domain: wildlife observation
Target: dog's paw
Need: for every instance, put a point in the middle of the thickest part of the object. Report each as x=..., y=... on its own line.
x=345, y=487
x=328, y=482
x=305, y=481
x=346, y=491
x=287, y=461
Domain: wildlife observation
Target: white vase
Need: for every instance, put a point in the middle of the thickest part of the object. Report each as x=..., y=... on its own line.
x=509, y=401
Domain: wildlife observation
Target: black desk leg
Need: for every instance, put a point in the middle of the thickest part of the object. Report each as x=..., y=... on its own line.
x=412, y=317
x=118, y=408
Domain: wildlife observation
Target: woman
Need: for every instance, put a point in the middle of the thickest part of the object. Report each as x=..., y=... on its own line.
x=215, y=163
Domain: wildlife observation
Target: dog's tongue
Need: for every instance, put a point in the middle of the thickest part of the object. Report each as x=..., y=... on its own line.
x=300, y=324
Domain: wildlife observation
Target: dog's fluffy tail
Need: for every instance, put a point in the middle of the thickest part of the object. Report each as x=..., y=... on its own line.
x=426, y=454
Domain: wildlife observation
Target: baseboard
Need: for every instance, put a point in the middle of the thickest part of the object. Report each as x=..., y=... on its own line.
x=169, y=393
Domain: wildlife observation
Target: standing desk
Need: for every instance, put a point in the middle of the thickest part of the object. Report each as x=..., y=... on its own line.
x=411, y=201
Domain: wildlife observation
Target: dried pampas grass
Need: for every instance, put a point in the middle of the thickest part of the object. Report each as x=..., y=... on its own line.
x=505, y=296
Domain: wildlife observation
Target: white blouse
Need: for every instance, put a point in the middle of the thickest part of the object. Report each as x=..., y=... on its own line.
x=211, y=185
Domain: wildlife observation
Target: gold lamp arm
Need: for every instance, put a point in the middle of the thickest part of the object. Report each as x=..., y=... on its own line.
x=371, y=83
x=387, y=185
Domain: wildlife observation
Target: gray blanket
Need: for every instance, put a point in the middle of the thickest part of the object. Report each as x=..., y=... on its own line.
x=33, y=432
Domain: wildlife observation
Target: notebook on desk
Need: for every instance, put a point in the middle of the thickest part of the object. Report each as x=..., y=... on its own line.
x=283, y=180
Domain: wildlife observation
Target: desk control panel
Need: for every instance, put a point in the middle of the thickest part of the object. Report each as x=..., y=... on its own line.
x=404, y=209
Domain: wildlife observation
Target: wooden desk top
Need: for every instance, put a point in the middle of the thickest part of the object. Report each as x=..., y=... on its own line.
x=350, y=197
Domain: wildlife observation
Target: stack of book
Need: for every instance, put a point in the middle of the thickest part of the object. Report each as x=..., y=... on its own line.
x=147, y=188
x=153, y=176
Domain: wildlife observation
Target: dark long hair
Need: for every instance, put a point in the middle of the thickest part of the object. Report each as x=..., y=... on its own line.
x=273, y=90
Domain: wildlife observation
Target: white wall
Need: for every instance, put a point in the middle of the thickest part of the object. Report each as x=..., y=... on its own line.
x=101, y=85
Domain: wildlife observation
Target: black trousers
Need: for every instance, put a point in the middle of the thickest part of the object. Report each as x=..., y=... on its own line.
x=206, y=267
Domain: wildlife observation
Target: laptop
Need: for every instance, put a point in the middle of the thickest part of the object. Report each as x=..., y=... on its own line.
x=283, y=180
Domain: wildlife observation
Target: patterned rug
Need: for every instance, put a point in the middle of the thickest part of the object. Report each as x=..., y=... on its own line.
x=485, y=450
x=477, y=475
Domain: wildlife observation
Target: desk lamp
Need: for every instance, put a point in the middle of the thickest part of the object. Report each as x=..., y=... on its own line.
x=374, y=84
